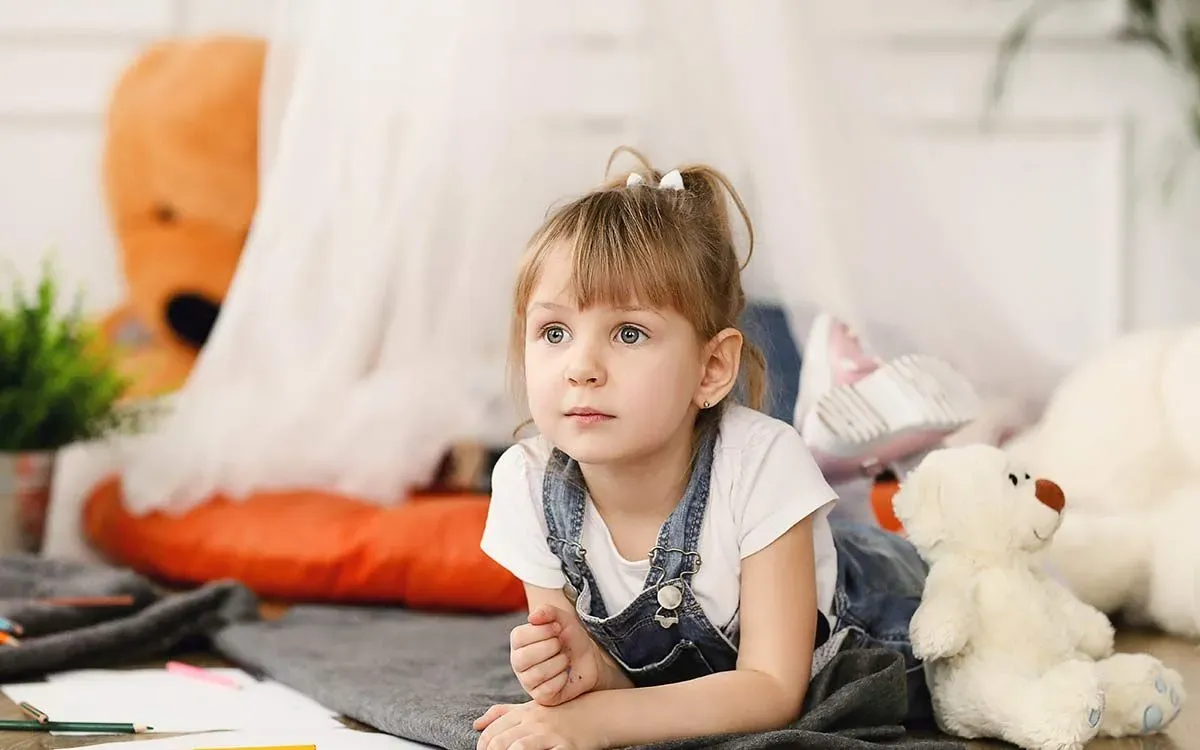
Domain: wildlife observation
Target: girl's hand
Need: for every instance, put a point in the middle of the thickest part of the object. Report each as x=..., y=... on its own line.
x=529, y=726
x=554, y=658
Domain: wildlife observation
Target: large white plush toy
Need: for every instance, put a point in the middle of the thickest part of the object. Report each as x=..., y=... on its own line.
x=1121, y=436
x=1009, y=652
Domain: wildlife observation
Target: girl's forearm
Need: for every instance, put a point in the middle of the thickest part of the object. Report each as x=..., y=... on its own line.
x=735, y=701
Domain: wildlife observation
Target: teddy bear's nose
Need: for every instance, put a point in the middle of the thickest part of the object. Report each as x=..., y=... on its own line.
x=1050, y=495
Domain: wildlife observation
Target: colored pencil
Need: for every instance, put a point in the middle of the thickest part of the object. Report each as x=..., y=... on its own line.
x=200, y=673
x=10, y=626
x=122, y=600
x=38, y=714
x=8, y=639
x=16, y=725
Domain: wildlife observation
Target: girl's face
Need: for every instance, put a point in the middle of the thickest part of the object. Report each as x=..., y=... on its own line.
x=606, y=384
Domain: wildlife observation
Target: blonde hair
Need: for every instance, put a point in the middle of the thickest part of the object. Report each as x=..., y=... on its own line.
x=672, y=249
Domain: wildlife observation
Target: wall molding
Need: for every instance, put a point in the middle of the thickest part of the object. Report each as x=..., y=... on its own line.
x=978, y=21
x=13, y=118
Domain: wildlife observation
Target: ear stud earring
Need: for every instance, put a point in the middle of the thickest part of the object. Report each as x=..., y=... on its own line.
x=706, y=404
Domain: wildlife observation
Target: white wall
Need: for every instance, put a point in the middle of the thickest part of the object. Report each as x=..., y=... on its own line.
x=58, y=59
x=1060, y=195
x=1058, y=204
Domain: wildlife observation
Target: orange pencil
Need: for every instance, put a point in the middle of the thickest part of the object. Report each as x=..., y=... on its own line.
x=8, y=639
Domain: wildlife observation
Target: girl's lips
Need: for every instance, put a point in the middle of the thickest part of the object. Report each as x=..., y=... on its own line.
x=589, y=416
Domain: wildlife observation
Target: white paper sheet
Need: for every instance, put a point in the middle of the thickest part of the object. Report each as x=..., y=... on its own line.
x=171, y=702
x=324, y=739
x=237, y=675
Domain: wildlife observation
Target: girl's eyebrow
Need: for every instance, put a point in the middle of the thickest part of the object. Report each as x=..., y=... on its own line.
x=547, y=306
x=560, y=308
x=639, y=308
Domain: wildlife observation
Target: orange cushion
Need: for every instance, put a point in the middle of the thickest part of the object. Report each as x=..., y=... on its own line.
x=315, y=546
x=881, y=501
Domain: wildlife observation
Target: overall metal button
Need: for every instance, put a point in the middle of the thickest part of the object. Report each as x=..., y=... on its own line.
x=670, y=597
x=570, y=592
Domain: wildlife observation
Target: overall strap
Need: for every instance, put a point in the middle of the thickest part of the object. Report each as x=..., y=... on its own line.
x=563, y=503
x=675, y=553
x=562, y=507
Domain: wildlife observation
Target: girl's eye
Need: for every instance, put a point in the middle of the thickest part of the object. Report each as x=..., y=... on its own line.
x=554, y=334
x=630, y=335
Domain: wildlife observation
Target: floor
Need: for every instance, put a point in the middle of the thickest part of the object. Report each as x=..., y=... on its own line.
x=1184, y=733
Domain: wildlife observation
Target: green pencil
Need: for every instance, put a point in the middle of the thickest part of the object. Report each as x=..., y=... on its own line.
x=17, y=725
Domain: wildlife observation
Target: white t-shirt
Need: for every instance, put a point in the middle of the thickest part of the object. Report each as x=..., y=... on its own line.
x=764, y=481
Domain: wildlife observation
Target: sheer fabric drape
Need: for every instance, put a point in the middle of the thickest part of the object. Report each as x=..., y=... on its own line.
x=409, y=148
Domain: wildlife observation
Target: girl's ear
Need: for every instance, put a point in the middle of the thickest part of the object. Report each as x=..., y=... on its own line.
x=720, y=360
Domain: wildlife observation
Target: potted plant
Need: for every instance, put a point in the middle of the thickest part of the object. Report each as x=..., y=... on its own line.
x=58, y=386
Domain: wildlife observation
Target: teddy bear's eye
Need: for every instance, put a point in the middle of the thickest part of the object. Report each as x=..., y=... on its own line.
x=1013, y=478
x=1026, y=476
x=164, y=213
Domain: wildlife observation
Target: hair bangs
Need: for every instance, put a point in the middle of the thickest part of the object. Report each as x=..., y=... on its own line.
x=624, y=255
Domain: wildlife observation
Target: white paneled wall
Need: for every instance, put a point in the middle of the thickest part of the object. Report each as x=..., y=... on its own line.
x=1057, y=206
x=1060, y=195
x=58, y=61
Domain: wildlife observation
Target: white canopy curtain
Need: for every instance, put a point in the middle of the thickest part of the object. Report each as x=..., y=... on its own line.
x=410, y=148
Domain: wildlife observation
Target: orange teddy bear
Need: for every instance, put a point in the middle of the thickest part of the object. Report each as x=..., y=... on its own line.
x=180, y=171
x=181, y=178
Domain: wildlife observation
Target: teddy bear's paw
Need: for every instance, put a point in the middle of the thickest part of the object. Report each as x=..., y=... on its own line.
x=1144, y=696
x=936, y=641
x=1068, y=709
x=1098, y=636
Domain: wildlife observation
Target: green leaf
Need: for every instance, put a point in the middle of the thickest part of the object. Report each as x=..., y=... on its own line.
x=58, y=385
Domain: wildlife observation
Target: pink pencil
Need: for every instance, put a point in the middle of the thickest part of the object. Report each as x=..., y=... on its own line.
x=199, y=673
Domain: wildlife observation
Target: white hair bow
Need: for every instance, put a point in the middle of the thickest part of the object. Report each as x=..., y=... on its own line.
x=672, y=180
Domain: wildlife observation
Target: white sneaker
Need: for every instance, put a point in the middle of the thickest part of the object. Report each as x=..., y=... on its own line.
x=832, y=356
x=859, y=414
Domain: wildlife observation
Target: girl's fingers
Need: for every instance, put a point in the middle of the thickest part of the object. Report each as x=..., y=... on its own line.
x=527, y=657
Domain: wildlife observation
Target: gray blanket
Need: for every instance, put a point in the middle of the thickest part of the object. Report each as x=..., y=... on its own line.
x=427, y=676
x=58, y=638
x=422, y=676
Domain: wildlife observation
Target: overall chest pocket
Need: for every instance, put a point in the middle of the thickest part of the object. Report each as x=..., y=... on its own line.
x=683, y=662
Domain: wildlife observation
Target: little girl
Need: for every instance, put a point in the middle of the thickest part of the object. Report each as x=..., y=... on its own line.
x=682, y=574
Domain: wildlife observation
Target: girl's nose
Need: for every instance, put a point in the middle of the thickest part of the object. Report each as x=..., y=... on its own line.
x=586, y=370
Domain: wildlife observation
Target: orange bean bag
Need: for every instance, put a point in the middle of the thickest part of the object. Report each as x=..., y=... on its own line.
x=881, y=502
x=315, y=546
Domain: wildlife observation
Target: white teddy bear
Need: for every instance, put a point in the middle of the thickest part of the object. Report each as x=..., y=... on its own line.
x=1121, y=436
x=1009, y=652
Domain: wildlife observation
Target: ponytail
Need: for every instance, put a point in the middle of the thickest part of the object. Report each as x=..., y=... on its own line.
x=709, y=187
x=702, y=184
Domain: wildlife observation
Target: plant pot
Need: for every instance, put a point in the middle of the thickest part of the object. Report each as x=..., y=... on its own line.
x=24, y=499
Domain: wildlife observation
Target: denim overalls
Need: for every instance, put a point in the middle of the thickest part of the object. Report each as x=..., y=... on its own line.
x=663, y=636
